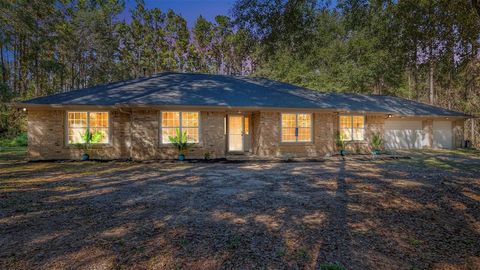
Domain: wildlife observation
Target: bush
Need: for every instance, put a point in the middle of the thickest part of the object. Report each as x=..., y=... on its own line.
x=20, y=140
x=377, y=141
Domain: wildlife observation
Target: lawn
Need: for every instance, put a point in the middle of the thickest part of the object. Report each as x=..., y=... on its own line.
x=357, y=214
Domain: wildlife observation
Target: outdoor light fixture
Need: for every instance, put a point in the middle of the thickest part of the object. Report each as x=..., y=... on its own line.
x=446, y=117
x=24, y=109
x=389, y=116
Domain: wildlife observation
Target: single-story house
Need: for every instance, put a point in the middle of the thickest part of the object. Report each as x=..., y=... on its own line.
x=228, y=114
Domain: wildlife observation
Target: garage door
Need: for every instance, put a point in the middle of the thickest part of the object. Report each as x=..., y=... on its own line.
x=442, y=134
x=400, y=134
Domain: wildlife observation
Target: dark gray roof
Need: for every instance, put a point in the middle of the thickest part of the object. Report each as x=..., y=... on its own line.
x=192, y=89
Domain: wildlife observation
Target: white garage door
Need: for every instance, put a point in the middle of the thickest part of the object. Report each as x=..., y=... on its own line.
x=442, y=134
x=404, y=134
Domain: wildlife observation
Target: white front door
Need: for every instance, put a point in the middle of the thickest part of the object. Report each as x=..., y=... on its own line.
x=235, y=133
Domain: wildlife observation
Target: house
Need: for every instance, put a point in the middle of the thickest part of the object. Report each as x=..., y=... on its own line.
x=228, y=114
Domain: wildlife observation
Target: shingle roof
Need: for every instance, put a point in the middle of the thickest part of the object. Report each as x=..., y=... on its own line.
x=192, y=89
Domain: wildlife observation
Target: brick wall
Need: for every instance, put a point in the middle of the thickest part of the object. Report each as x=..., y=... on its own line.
x=47, y=137
x=267, y=141
x=135, y=134
x=212, y=139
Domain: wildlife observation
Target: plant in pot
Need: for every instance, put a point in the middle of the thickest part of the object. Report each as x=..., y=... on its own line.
x=376, y=144
x=88, y=138
x=340, y=142
x=180, y=141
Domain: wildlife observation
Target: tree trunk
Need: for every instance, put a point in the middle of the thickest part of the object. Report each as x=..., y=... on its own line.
x=432, y=90
x=2, y=60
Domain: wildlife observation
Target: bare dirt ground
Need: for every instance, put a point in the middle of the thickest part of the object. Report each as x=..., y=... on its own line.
x=405, y=214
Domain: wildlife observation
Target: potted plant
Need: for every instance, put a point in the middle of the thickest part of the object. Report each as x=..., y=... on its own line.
x=180, y=141
x=376, y=144
x=88, y=138
x=340, y=142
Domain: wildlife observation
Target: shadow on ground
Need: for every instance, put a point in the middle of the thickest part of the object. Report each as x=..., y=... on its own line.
x=113, y=215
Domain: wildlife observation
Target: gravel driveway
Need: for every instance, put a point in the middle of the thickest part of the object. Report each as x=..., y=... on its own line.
x=358, y=214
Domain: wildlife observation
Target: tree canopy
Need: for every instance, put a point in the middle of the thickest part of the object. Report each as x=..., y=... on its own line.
x=423, y=50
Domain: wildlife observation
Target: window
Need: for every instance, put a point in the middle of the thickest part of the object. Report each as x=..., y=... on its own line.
x=183, y=121
x=352, y=127
x=246, y=125
x=296, y=127
x=79, y=123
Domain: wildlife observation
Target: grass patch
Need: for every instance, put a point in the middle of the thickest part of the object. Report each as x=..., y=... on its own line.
x=331, y=266
x=234, y=242
x=184, y=242
x=12, y=152
x=449, y=160
x=280, y=253
x=415, y=242
x=301, y=254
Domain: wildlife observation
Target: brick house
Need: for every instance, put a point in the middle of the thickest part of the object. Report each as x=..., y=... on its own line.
x=228, y=114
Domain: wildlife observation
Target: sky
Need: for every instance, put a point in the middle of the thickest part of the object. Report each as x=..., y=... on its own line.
x=189, y=9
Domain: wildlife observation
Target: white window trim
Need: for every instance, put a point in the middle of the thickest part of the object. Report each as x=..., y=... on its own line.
x=351, y=127
x=180, y=127
x=296, y=128
x=109, y=128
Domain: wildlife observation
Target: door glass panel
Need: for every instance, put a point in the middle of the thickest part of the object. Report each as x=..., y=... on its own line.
x=235, y=136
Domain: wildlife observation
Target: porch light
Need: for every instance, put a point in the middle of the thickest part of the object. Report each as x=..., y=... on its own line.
x=446, y=118
x=390, y=116
x=24, y=109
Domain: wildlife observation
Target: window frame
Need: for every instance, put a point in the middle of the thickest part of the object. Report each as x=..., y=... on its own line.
x=160, y=133
x=351, y=126
x=296, y=128
x=109, y=128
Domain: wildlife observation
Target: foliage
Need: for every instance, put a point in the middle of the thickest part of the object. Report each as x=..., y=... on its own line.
x=421, y=50
x=89, y=138
x=50, y=46
x=180, y=141
x=331, y=266
x=20, y=140
x=340, y=141
x=377, y=141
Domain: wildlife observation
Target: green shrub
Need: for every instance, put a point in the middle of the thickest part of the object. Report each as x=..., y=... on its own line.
x=180, y=141
x=377, y=141
x=19, y=140
x=339, y=141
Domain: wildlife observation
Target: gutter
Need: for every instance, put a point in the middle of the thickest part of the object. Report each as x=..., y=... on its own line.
x=223, y=108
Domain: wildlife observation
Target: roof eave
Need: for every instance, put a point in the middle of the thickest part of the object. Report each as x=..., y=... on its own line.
x=219, y=108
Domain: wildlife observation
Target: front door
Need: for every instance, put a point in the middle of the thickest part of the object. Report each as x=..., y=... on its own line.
x=235, y=133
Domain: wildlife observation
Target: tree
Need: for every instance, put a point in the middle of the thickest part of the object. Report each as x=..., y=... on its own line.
x=476, y=6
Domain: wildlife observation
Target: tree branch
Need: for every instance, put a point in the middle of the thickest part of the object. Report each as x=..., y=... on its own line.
x=476, y=5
